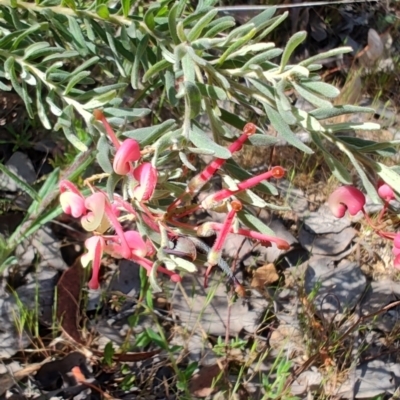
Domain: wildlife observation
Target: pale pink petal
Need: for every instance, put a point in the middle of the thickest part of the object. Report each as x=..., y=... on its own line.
x=146, y=175
x=95, y=220
x=136, y=243
x=346, y=198
x=72, y=204
x=385, y=191
x=129, y=151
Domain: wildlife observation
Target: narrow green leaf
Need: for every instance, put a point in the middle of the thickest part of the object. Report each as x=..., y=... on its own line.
x=74, y=80
x=291, y=45
x=327, y=54
x=213, y=92
x=273, y=23
x=337, y=168
x=5, y=87
x=25, y=33
x=135, y=81
x=260, y=20
x=283, y=129
x=126, y=6
x=201, y=24
x=254, y=223
x=148, y=135
x=103, y=11
x=263, y=140
x=192, y=99
x=262, y=58
x=24, y=186
x=170, y=88
x=330, y=112
x=282, y=103
x=236, y=45
x=189, y=69
x=172, y=22
x=155, y=69
x=307, y=121
x=86, y=64
x=27, y=100
x=42, y=113
x=311, y=97
x=321, y=88
x=103, y=155
x=112, y=182
x=33, y=48
x=76, y=33
x=201, y=140
x=238, y=32
x=129, y=114
x=218, y=26
x=100, y=100
x=185, y=161
x=363, y=126
x=369, y=187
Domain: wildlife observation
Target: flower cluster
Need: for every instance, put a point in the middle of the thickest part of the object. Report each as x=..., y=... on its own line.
x=102, y=215
x=349, y=198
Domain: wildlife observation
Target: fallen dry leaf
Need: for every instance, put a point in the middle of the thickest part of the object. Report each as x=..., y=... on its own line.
x=264, y=275
x=201, y=384
x=69, y=291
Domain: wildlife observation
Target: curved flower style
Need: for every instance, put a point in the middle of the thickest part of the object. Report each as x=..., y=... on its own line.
x=146, y=180
x=95, y=246
x=385, y=191
x=95, y=219
x=128, y=152
x=346, y=198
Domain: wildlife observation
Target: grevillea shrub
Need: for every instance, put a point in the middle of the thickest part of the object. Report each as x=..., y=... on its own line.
x=186, y=72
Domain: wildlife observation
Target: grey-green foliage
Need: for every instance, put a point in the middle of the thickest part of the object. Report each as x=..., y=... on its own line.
x=68, y=58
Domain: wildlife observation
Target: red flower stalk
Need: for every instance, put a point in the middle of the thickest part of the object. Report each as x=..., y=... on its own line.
x=148, y=265
x=209, y=228
x=198, y=181
x=98, y=114
x=212, y=201
x=215, y=252
x=95, y=247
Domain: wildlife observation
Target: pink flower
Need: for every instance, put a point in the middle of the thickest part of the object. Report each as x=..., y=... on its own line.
x=346, y=198
x=71, y=200
x=385, y=191
x=146, y=180
x=128, y=152
x=72, y=204
x=95, y=219
x=95, y=247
